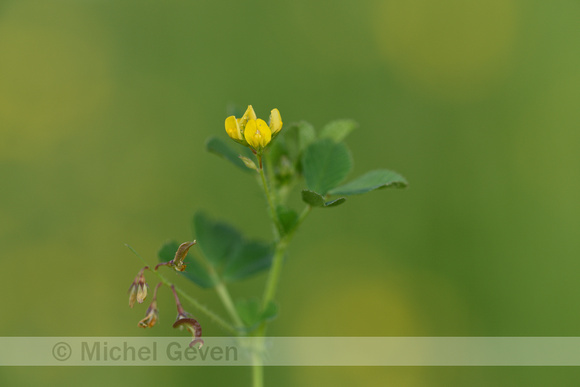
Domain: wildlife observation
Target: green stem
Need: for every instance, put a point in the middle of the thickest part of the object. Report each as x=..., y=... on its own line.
x=271, y=206
x=274, y=275
x=305, y=212
x=276, y=269
x=190, y=299
x=277, y=261
x=224, y=295
x=257, y=370
x=270, y=177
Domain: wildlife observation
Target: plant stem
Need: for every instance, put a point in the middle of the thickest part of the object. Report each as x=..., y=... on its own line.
x=190, y=299
x=274, y=275
x=257, y=370
x=276, y=269
x=224, y=295
x=271, y=206
x=301, y=218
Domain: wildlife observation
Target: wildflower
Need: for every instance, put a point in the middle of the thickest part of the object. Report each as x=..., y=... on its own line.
x=138, y=289
x=180, y=254
x=185, y=320
x=235, y=126
x=152, y=314
x=192, y=325
x=252, y=131
x=257, y=134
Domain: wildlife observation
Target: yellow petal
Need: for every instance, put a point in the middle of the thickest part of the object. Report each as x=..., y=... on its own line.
x=264, y=131
x=250, y=114
x=257, y=134
x=232, y=128
x=275, y=121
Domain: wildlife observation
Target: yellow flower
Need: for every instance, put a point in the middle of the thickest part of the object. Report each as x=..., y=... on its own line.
x=275, y=121
x=235, y=126
x=257, y=134
x=252, y=131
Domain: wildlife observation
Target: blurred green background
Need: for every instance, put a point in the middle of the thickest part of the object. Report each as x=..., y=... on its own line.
x=105, y=107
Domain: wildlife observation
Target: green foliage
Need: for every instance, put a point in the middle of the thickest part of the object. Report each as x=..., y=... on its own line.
x=249, y=258
x=317, y=200
x=297, y=137
x=216, y=240
x=227, y=253
x=251, y=313
x=286, y=151
x=338, y=130
x=195, y=271
x=326, y=164
x=231, y=255
x=218, y=147
x=380, y=178
x=249, y=163
x=324, y=161
x=288, y=218
x=167, y=251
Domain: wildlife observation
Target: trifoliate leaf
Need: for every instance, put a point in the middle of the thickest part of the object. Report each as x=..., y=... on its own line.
x=325, y=164
x=338, y=130
x=317, y=200
x=218, y=147
x=380, y=178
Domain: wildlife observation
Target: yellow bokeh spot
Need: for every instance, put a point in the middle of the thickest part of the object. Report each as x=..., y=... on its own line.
x=452, y=48
x=359, y=305
x=348, y=290
x=55, y=74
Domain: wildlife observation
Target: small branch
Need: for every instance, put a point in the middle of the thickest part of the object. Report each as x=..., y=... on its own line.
x=276, y=269
x=190, y=299
x=273, y=216
x=274, y=275
x=226, y=299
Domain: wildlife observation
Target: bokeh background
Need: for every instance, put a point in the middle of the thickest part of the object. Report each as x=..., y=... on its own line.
x=105, y=107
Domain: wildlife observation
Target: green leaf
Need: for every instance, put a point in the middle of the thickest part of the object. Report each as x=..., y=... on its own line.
x=167, y=252
x=271, y=312
x=197, y=273
x=325, y=165
x=380, y=178
x=194, y=271
x=217, y=240
x=298, y=136
x=290, y=144
x=288, y=218
x=250, y=258
x=317, y=200
x=251, y=314
x=232, y=256
x=249, y=311
x=217, y=146
x=338, y=130
x=312, y=198
x=249, y=163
